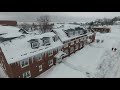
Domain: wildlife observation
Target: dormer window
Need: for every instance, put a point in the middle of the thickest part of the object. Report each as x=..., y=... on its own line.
x=76, y=32
x=71, y=33
x=34, y=43
x=55, y=38
x=46, y=41
x=24, y=63
x=81, y=31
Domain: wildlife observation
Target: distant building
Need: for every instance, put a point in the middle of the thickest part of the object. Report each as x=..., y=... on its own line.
x=8, y=23
x=101, y=29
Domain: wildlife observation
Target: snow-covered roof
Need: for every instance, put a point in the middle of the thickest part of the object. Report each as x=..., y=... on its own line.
x=101, y=26
x=9, y=31
x=63, y=36
x=20, y=49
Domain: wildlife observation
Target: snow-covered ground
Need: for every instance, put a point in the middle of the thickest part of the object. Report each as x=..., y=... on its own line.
x=96, y=60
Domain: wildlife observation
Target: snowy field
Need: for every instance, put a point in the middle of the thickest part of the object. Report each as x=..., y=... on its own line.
x=93, y=61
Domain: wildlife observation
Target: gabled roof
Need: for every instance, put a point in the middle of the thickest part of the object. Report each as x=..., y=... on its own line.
x=20, y=49
x=63, y=36
x=9, y=31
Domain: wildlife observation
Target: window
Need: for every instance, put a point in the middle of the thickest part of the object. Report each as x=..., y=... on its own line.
x=38, y=57
x=81, y=45
x=77, y=40
x=35, y=45
x=73, y=32
x=70, y=33
x=76, y=47
x=72, y=42
x=55, y=38
x=87, y=37
x=46, y=41
x=76, y=32
x=50, y=62
x=71, y=49
x=81, y=31
x=1, y=59
x=82, y=39
x=65, y=45
x=50, y=53
x=40, y=68
x=66, y=51
x=26, y=74
x=24, y=63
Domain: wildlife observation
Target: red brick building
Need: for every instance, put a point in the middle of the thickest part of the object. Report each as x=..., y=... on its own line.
x=8, y=23
x=74, y=39
x=33, y=55
x=29, y=58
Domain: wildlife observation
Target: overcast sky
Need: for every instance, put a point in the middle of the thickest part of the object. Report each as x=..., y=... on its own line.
x=31, y=16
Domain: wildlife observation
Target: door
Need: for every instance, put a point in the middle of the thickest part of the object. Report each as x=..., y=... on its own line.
x=59, y=60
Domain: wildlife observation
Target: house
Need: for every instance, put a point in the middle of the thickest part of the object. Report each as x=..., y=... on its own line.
x=74, y=38
x=8, y=23
x=101, y=29
x=32, y=54
x=29, y=56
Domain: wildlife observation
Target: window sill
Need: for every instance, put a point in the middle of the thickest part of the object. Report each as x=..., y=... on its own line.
x=50, y=64
x=50, y=55
x=40, y=70
x=24, y=66
x=27, y=77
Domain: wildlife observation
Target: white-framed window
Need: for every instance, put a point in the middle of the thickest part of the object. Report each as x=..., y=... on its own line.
x=50, y=62
x=27, y=74
x=40, y=68
x=1, y=58
x=76, y=47
x=35, y=45
x=85, y=38
x=24, y=63
x=71, y=33
x=71, y=49
x=80, y=45
x=65, y=45
x=72, y=42
x=50, y=53
x=32, y=59
x=81, y=31
x=38, y=57
x=77, y=40
x=66, y=51
x=76, y=32
x=81, y=39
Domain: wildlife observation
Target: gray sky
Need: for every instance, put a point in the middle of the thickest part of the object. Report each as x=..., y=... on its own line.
x=56, y=16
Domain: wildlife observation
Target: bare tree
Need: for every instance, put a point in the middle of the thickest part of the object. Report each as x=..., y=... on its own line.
x=44, y=24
